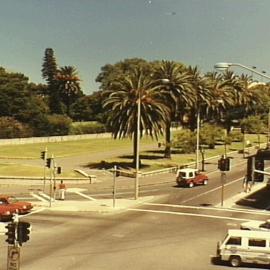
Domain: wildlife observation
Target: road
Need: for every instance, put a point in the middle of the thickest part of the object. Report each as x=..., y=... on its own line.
x=178, y=230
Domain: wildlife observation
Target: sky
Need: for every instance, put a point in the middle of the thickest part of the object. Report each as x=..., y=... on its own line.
x=89, y=34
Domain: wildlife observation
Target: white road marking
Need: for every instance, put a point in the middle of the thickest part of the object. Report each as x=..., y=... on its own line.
x=85, y=196
x=187, y=214
x=247, y=211
x=35, y=211
x=212, y=190
x=38, y=197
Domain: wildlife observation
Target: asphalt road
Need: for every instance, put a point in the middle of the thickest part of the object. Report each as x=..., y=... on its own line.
x=179, y=230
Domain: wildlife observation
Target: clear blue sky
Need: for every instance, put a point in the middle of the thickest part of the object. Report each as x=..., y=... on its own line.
x=88, y=34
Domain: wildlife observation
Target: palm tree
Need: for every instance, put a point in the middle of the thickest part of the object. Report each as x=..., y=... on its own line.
x=176, y=93
x=221, y=97
x=68, y=85
x=201, y=96
x=123, y=106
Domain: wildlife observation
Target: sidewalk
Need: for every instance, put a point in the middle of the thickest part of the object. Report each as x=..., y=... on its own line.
x=100, y=206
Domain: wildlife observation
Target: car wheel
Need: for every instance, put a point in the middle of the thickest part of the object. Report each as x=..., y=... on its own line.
x=235, y=261
x=205, y=182
x=191, y=184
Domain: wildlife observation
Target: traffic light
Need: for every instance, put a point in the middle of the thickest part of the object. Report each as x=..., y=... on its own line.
x=48, y=162
x=259, y=165
x=23, y=230
x=11, y=229
x=43, y=155
x=59, y=170
x=224, y=164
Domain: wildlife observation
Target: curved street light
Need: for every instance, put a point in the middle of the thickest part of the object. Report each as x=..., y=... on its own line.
x=223, y=66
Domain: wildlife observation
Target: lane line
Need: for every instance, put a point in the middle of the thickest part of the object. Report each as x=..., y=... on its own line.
x=187, y=214
x=212, y=190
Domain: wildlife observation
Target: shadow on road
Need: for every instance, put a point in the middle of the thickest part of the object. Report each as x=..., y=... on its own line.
x=258, y=200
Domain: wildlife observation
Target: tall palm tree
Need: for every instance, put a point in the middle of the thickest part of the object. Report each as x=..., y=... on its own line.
x=123, y=106
x=221, y=96
x=176, y=93
x=68, y=85
x=201, y=96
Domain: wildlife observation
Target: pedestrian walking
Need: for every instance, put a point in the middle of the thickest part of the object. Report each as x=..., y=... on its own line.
x=62, y=190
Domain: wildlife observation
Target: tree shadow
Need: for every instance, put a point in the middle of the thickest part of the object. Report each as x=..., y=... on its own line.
x=150, y=157
x=109, y=165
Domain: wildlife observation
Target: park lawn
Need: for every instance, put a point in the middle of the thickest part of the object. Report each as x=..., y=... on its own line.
x=69, y=148
x=16, y=170
x=151, y=159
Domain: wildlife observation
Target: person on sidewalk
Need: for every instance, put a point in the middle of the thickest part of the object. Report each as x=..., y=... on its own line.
x=62, y=190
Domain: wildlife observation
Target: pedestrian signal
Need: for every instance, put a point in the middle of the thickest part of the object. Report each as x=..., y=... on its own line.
x=11, y=229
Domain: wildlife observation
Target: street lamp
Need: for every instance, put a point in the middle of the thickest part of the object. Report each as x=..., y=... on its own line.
x=198, y=138
x=164, y=81
x=223, y=66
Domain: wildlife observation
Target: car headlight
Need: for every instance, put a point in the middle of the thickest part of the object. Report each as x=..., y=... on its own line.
x=7, y=212
x=24, y=207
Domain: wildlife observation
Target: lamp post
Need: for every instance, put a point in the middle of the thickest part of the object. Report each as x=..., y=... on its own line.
x=198, y=139
x=223, y=66
x=138, y=145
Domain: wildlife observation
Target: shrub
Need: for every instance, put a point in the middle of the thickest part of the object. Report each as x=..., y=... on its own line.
x=185, y=140
x=58, y=125
x=11, y=128
x=87, y=128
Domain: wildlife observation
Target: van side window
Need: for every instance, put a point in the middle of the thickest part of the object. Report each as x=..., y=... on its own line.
x=234, y=241
x=190, y=174
x=257, y=243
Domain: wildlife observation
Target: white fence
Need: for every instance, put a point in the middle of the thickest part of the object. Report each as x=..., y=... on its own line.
x=54, y=139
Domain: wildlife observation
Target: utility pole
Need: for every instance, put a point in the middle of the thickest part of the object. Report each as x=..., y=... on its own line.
x=114, y=185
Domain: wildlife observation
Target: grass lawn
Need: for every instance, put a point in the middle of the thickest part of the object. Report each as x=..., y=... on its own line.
x=151, y=159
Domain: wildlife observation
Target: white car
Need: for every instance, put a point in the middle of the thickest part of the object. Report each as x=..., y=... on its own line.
x=256, y=225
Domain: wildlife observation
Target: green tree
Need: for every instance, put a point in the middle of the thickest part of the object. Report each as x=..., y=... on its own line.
x=123, y=105
x=185, y=141
x=49, y=72
x=68, y=84
x=176, y=93
x=253, y=124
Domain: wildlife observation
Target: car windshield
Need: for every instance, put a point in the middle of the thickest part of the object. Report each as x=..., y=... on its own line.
x=183, y=174
x=12, y=200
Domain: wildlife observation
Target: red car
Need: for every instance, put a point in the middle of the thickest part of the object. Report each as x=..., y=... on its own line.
x=18, y=206
x=190, y=177
x=6, y=212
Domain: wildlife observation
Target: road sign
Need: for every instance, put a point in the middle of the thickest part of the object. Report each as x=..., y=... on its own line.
x=13, y=262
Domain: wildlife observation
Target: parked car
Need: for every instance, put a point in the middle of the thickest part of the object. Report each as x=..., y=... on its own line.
x=256, y=225
x=18, y=206
x=6, y=212
x=190, y=177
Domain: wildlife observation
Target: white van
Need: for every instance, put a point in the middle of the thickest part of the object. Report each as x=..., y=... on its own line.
x=245, y=246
